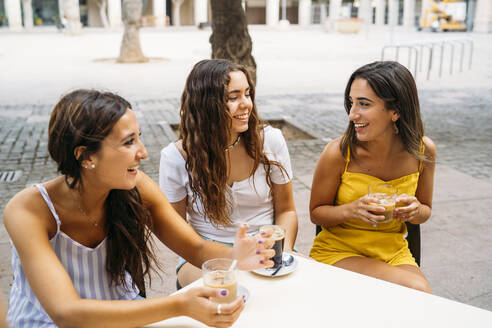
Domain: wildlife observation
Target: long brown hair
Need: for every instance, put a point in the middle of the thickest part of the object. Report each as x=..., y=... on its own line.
x=204, y=130
x=394, y=84
x=85, y=118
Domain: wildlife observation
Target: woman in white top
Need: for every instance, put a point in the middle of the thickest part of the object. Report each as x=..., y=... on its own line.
x=81, y=241
x=228, y=166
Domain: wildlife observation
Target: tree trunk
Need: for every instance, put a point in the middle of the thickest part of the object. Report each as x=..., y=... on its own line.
x=130, y=51
x=103, y=5
x=176, y=12
x=28, y=18
x=230, y=37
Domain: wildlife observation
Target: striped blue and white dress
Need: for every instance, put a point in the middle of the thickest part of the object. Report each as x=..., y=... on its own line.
x=86, y=267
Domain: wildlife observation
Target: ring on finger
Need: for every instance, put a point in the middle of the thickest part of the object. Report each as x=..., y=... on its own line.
x=218, y=308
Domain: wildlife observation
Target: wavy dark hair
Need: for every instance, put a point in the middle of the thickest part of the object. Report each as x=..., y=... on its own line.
x=85, y=118
x=394, y=84
x=204, y=130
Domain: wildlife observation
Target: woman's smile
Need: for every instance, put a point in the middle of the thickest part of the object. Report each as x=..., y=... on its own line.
x=359, y=127
x=133, y=170
x=242, y=118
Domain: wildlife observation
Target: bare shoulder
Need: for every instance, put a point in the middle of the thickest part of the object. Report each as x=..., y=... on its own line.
x=26, y=208
x=26, y=200
x=332, y=154
x=149, y=191
x=430, y=148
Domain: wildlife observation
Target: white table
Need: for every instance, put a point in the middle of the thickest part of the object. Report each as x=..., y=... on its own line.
x=319, y=295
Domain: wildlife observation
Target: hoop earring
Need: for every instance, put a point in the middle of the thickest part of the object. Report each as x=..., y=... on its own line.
x=395, y=128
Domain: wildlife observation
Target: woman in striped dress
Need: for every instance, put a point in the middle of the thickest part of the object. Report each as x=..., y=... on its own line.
x=80, y=242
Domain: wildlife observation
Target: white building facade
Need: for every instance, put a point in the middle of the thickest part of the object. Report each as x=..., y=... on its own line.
x=158, y=13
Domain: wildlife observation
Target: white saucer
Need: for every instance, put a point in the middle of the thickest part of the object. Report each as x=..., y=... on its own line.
x=267, y=272
x=241, y=290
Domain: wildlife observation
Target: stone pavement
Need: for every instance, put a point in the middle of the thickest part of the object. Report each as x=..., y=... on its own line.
x=456, y=241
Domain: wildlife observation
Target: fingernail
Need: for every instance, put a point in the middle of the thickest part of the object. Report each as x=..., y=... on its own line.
x=263, y=233
x=260, y=241
x=223, y=292
x=244, y=298
x=262, y=262
x=244, y=225
x=258, y=251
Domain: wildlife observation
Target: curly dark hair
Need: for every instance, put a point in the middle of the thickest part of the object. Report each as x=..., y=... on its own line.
x=85, y=118
x=394, y=84
x=204, y=130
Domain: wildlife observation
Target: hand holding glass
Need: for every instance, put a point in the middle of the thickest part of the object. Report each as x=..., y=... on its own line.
x=386, y=196
x=278, y=235
x=217, y=273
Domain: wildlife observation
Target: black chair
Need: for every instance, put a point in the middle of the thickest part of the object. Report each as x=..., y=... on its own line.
x=413, y=239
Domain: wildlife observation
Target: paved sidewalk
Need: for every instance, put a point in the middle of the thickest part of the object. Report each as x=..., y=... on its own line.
x=294, y=85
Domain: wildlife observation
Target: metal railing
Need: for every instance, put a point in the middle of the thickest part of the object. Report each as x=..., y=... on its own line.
x=431, y=46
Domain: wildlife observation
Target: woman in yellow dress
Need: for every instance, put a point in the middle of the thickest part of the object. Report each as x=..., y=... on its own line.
x=383, y=143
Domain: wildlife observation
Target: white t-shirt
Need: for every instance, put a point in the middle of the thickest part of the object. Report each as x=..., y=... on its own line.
x=254, y=207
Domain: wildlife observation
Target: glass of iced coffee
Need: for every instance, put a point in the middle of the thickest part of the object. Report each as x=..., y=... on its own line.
x=217, y=274
x=278, y=234
x=386, y=196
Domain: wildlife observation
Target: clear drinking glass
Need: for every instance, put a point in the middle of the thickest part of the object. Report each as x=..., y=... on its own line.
x=386, y=195
x=216, y=274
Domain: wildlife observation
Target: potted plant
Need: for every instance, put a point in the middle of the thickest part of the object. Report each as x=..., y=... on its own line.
x=37, y=20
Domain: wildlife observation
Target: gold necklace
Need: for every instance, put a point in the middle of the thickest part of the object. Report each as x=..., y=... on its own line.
x=234, y=143
x=91, y=220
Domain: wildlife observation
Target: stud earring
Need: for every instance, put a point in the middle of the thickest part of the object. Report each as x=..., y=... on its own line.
x=94, y=165
x=395, y=128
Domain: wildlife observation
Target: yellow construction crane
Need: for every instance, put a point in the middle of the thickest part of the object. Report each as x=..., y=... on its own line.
x=444, y=15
